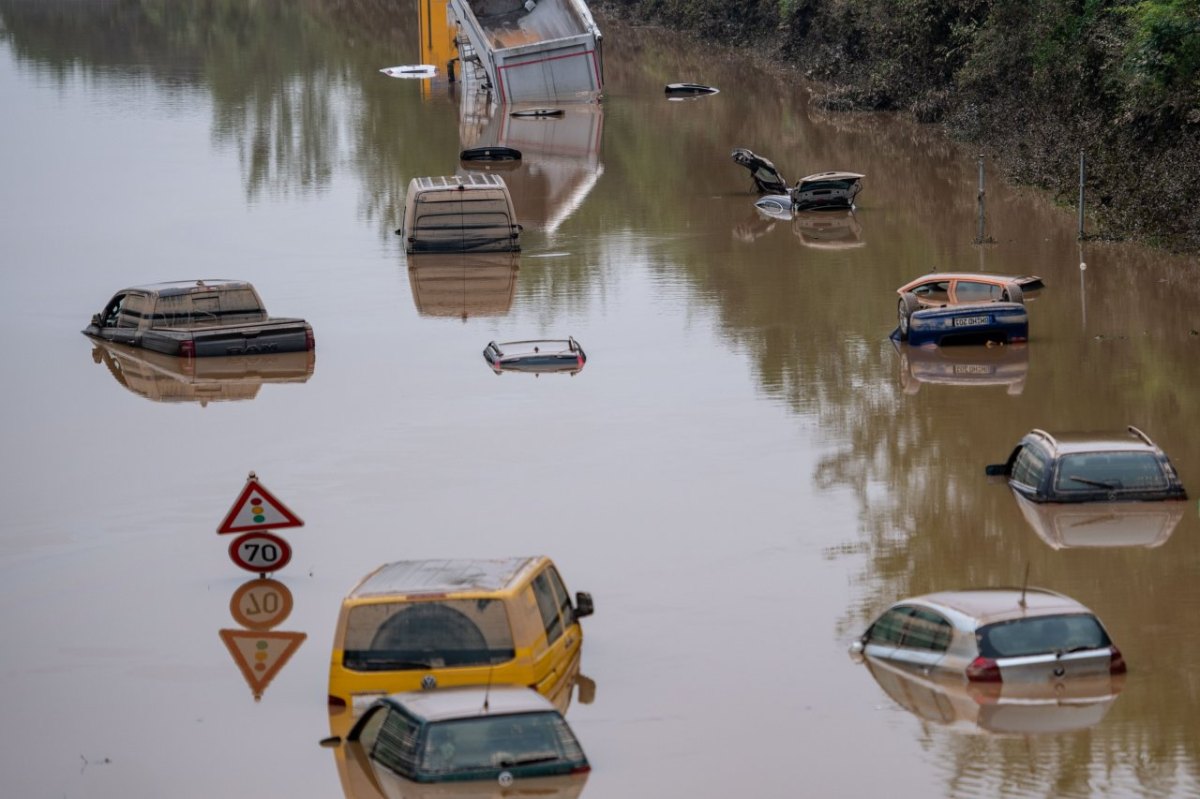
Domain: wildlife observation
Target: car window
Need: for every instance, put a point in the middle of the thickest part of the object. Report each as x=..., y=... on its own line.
x=431, y=634
x=889, y=628
x=395, y=745
x=1028, y=467
x=565, y=608
x=1041, y=635
x=547, y=606
x=974, y=291
x=501, y=741
x=1112, y=470
x=936, y=291
x=926, y=630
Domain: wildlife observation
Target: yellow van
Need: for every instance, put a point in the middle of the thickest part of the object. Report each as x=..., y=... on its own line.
x=423, y=624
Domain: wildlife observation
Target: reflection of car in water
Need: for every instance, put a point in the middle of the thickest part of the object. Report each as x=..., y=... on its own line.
x=536, y=356
x=1090, y=467
x=974, y=707
x=463, y=285
x=1101, y=524
x=963, y=366
x=169, y=378
x=1025, y=639
x=496, y=733
x=438, y=623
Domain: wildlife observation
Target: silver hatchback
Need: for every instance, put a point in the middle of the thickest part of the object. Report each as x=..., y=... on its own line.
x=1032, y=638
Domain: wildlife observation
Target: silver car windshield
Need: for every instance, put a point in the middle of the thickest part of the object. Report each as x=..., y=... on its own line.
x=1041, y=635
x=493, y=742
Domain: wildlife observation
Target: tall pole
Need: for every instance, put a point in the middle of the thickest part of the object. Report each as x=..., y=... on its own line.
x=979, y=237
x=1082, y=181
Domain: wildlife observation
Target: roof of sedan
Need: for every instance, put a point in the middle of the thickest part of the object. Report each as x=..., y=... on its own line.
x=983, y=277
x=469, y=702
x=997, y=604
x=441, y=576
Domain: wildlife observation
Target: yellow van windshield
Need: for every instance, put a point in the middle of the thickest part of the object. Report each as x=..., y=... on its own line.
x=427, y=634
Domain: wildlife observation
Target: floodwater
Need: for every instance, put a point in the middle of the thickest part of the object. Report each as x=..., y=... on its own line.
x=745, y=472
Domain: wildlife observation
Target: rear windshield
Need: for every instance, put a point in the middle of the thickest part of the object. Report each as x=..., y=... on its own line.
x=1110, y=470
x=493, y=742
x=1041, y=635
x=430, y=634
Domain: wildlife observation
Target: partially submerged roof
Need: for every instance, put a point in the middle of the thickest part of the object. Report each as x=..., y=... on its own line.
x=176, y=287
x=471, y=180
x=998, y=604
x=1105, y=441
x=461, y=703
x=441, y=577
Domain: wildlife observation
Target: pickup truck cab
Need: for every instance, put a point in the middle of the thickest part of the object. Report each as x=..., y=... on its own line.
x=198, y=318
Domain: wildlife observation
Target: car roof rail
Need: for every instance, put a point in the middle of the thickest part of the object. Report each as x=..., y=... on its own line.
x=1141, y=435
x=1037, y=431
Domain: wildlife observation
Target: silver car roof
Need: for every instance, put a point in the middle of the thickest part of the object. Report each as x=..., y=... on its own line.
x=441, y=576
x=468, y=702
x=988, y=605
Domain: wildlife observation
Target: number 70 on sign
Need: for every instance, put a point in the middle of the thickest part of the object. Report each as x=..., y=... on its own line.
x=260, y=552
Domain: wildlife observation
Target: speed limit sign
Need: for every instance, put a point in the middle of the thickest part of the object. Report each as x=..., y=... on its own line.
x=260, y=552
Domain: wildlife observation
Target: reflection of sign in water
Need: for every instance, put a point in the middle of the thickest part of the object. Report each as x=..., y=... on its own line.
x=260, y=654
x=261, y=604
x=257, y=509
x=260, y=552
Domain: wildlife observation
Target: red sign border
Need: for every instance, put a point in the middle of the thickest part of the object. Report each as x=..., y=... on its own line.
x=284, y=547
x=258, y=682
x=251, y=486
x=235, y=603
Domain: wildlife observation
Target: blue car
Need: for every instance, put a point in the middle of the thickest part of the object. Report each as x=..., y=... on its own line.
x=1003, y=321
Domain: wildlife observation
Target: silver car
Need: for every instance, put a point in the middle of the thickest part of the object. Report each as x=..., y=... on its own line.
x=1027, y=638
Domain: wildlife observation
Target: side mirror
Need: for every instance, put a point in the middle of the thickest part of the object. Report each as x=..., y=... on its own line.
x=585, y=690
x=96, y=320
x=583, y=604
x=856, y=651
x=996, y=470
x=332, y=742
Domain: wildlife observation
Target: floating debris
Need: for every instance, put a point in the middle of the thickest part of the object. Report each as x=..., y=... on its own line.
x=411, y=71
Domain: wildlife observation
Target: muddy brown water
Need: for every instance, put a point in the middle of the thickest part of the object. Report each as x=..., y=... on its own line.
x=744, y=473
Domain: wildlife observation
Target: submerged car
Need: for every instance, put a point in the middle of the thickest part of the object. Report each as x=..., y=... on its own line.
x=823, y=190
x=535, y=355
x=504, y=734
x=460, y=213
x=950, y=308
x=1019, y=637
x=439, y=623
x=198, y=318
x=1090, y=467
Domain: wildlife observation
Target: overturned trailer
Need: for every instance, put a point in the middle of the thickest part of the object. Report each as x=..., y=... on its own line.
x=531, y=51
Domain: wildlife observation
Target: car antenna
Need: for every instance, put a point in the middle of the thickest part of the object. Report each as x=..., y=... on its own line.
x=1024, y=586
x=488, y=690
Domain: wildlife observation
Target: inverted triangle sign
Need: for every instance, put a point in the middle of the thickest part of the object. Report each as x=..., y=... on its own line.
x=260, y=655
x=257, y=509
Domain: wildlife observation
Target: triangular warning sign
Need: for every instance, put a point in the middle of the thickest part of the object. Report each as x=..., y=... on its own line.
x=257, y=509
x=260, y=655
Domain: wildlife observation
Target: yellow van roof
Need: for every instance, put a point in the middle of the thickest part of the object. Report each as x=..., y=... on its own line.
x=442, y=576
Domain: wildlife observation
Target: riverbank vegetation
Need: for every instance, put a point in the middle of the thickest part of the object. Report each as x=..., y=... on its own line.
x=1032, y=82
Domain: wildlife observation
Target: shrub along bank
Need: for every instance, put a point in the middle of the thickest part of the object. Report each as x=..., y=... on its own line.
x=1032, y=82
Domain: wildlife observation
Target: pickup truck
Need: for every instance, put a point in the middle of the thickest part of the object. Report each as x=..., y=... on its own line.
x=198, y=318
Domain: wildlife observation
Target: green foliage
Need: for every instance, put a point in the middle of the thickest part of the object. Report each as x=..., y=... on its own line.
x=1162, y=58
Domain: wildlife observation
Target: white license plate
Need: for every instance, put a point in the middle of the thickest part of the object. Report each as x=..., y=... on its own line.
x=972, y=369
x=970, y=321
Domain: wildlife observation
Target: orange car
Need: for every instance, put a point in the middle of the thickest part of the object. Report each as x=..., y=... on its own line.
x=958, y=288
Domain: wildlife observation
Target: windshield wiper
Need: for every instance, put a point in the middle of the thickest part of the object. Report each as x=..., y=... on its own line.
x=525, y=761
x=391, y=663
x=1097, y=483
